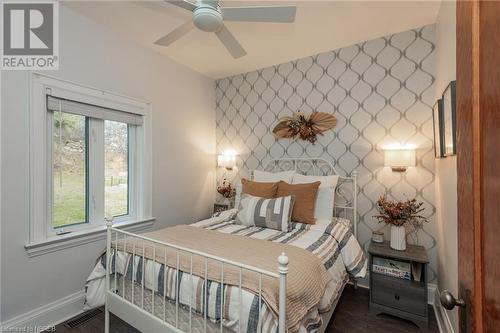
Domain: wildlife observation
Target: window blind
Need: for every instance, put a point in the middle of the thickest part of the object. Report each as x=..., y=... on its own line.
x=93, y=111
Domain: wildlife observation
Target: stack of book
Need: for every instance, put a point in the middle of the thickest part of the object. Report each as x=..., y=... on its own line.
x=394, y=268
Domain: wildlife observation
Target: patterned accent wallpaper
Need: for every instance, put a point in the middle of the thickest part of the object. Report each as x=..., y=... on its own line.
x=381, y=92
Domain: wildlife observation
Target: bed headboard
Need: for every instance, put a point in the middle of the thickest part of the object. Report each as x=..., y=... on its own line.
x=345, y=204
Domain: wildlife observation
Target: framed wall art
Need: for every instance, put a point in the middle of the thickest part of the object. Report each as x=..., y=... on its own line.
x=449, y=120
x=437, y=117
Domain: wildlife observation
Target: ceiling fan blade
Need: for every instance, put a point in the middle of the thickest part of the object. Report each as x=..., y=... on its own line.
x=278, y=14
x=175, y=34
x=183, y=4
x=230, y=42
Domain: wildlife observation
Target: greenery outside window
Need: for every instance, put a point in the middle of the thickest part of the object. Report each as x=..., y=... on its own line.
x=116, y=160
x=69, y=170
x=92, y=168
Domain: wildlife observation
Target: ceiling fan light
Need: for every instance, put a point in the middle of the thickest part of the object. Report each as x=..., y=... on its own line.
x=207, y=18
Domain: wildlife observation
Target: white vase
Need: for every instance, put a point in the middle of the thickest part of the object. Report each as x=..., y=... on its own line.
x=398, y=238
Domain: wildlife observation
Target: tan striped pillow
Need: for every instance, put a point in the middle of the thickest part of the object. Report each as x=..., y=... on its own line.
x=266, y=213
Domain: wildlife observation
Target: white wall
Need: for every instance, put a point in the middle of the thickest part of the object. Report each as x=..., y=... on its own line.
x=446, y=168
x=183, y=153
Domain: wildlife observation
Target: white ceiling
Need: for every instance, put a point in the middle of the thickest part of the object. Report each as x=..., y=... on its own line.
x=320, y=26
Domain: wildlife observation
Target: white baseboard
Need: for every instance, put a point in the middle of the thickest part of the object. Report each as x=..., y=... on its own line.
x=48, y=315
x=442, y=317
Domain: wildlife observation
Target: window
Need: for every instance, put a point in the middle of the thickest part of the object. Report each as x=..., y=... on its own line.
x=116, y=158
x=70, y=160
x=69, y=170
x=90, y=159
x=90, y=164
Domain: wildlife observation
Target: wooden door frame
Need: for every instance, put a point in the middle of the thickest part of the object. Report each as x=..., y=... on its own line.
x=478, y=144
x=468, y=197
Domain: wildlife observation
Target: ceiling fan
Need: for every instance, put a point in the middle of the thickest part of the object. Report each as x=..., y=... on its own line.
x=209, y=16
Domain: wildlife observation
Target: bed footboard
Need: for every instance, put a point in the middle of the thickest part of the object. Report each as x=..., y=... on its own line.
x=150, y=311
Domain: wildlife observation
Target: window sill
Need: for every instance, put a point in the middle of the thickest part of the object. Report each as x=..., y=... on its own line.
x=57, y=243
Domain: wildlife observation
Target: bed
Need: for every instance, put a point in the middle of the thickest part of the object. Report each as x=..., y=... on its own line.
x=219, y=276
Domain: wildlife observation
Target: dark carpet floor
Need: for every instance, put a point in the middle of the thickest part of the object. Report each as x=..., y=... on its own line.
x=352, y=316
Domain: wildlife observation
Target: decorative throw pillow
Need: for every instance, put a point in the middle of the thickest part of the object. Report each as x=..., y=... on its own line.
x=263, y=177
x=323, y=210
x=305, y=200
x=266, y=213
x=262, y=190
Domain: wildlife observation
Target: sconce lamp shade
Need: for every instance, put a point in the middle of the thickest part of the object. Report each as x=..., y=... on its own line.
x=400, y=159
x=227, y=160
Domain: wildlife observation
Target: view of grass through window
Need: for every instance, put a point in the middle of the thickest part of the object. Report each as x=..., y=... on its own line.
x=69, y=169
x=116, y=168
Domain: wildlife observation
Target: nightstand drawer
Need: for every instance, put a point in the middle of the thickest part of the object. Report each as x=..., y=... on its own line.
x=399, y=294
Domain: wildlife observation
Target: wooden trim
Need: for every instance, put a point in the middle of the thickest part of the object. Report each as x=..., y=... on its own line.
x=477, y=174
x=478, y=121
x=467, y=152
x=489, y=99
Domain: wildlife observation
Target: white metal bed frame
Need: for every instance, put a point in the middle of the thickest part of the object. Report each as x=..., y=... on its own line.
x=146, y=321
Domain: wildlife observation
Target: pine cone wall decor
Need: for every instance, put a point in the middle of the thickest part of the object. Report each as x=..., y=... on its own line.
x=305, y=128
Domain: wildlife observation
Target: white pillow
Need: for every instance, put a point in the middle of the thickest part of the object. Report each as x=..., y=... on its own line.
x=272, y=177
x=325, y=221
x=323, y=210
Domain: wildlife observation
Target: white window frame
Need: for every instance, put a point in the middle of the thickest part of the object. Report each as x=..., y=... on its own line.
x=140, y=205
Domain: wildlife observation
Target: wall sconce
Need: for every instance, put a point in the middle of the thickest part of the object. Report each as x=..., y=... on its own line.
x=227, y=159
x=399, y=159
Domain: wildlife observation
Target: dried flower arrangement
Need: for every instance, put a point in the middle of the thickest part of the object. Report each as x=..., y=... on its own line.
x=399, y=213
x=226, y=189
x=305, y=128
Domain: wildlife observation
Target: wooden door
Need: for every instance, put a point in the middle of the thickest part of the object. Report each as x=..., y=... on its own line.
x=478, y=162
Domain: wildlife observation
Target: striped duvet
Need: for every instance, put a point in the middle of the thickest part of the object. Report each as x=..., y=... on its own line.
x=333, y=243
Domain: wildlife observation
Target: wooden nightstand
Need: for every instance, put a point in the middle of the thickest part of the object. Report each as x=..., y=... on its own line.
x=402, y=298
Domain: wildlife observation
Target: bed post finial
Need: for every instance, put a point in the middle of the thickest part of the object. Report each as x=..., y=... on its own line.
x=109, y=222
x=283, y=260
x=283, y=271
